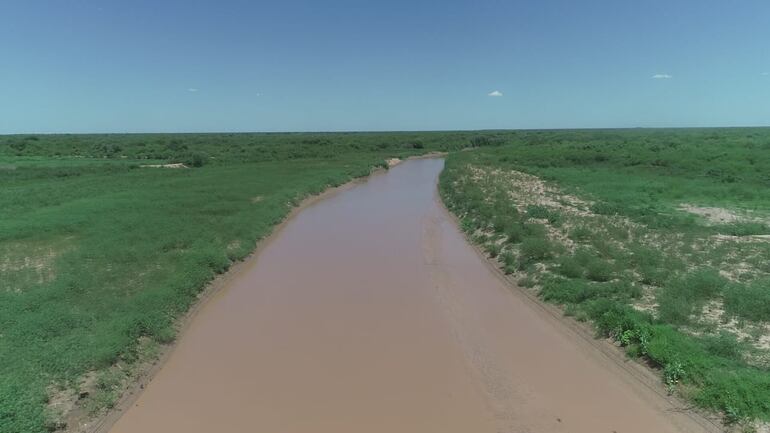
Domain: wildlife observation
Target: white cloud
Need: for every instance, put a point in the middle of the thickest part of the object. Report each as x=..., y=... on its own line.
x=192, y=89
x=765, y=74
x=662, y=76
x=495, y=93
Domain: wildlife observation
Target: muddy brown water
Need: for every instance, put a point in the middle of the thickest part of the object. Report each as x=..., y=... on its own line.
x=369, y=312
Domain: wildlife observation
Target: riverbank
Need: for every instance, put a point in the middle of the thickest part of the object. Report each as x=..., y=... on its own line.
x=607, y=351
x=578, y=227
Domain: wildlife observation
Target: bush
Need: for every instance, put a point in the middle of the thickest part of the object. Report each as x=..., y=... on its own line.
x=534, y=230
x=501, y=222
x=527, y=282
x=493, y=249
x=196, y=160
x=563, y=291
x=612, y=318
x=602, y=208
x=539, y=212
x=515, y=232
x=599, y=270
x=509, y=261
x=680, y=298
x=674, y=308
x=723, y=344
x=542, y=212
x=750, y=301
x=535, y=249
x=467, y=225
x=480, y=141
x=580, y=234
x=744, y=229
x=569, y=267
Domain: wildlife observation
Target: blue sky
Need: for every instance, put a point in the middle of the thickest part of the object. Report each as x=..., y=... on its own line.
x=294, y=65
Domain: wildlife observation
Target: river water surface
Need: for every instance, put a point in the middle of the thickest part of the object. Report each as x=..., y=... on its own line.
x=369, y=312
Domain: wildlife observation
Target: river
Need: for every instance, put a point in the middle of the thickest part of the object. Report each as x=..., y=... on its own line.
x=369, y=312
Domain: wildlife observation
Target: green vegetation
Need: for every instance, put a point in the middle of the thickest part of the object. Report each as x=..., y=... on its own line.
x=98, y=254
x=658, y=237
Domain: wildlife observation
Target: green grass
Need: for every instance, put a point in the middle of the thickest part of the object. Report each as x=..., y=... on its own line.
x=600, y=230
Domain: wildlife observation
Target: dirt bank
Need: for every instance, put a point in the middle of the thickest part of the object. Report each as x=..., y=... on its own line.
x=368, y=311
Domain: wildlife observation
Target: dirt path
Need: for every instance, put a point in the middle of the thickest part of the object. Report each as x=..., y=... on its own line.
x=370, y=313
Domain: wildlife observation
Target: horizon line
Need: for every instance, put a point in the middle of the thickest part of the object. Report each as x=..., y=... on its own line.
x=385, y=131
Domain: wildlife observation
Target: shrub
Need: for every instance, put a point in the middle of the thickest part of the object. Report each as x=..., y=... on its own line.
x=542, y=212
x=673, y=307
x=534, y=230
x=569, y=267
x=527, y=282
x=196, y=160
x=580, y=234
x=515, y=232
x=563, y=291
x=493, y=248
x=744, y=229
x=504, y=222
x=602, y=208
x=723, y=344
x=612, y=319
x=467, y=225
x=604, y=248
x=509, y=262
x=680, y=298
x=599, y=270
x=749, y=301
x=584, y=256
x=673, y=372
x=535, y=249
x=539, y=212
x=480, y=141
x=703, y=283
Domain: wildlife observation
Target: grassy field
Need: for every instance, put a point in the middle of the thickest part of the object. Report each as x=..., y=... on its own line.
x=660, y=238
x=99, y=256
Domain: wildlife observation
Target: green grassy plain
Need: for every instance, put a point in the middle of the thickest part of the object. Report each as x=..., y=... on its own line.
x=657, y=237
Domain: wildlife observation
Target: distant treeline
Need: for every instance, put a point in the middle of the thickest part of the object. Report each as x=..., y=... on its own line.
x=200, y=149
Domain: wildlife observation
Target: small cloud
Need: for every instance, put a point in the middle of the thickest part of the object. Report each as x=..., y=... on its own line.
x=765, y=74
x=192, y=89
x=495, y=93
x=662, y=76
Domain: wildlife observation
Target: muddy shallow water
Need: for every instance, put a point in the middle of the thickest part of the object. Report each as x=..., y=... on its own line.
x=369, y=312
